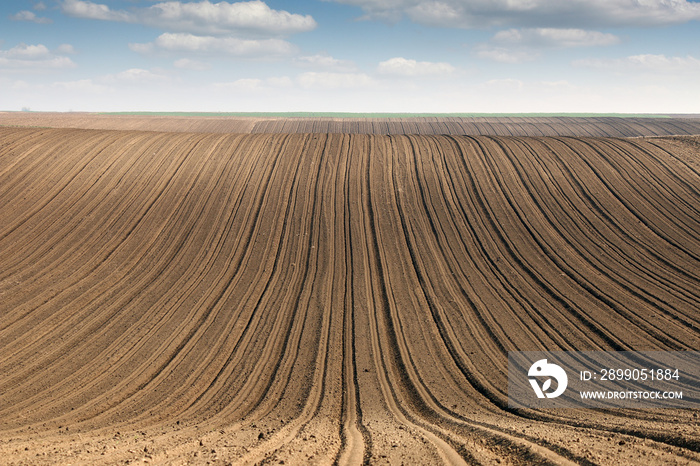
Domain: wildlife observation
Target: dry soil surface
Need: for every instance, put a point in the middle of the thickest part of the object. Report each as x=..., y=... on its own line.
x=470, y=126
x=178, y=298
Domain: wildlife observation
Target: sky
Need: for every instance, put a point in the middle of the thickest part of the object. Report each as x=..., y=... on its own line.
x=412, y=56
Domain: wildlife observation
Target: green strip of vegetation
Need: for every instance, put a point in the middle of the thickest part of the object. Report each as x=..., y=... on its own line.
x=386, y=115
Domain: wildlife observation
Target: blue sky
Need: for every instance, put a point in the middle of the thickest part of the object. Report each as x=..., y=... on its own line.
x=624, y=56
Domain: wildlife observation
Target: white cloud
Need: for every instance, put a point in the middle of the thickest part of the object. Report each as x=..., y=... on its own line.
x=189, y=43
x=90, y=10
x=135, y=76
x=504, y=54
x=400, y=66
x=252, y=18
x=30, y=16
x=33, y=57
x=49, y=63
x=40, y=6
x=29, y=52
x=647, y=62
x=325, y=62
x=327, y=80
x=225, y=18
x=187, y=64
x=522, y=45
x=254, y=84
x=552, y=37
x=532, y=13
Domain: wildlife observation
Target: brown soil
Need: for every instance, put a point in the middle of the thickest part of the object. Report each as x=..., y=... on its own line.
x=477, y=126
x=177, y=298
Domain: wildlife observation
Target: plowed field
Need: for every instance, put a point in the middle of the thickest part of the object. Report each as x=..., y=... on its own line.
x=317, y=298
x=471, y=126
